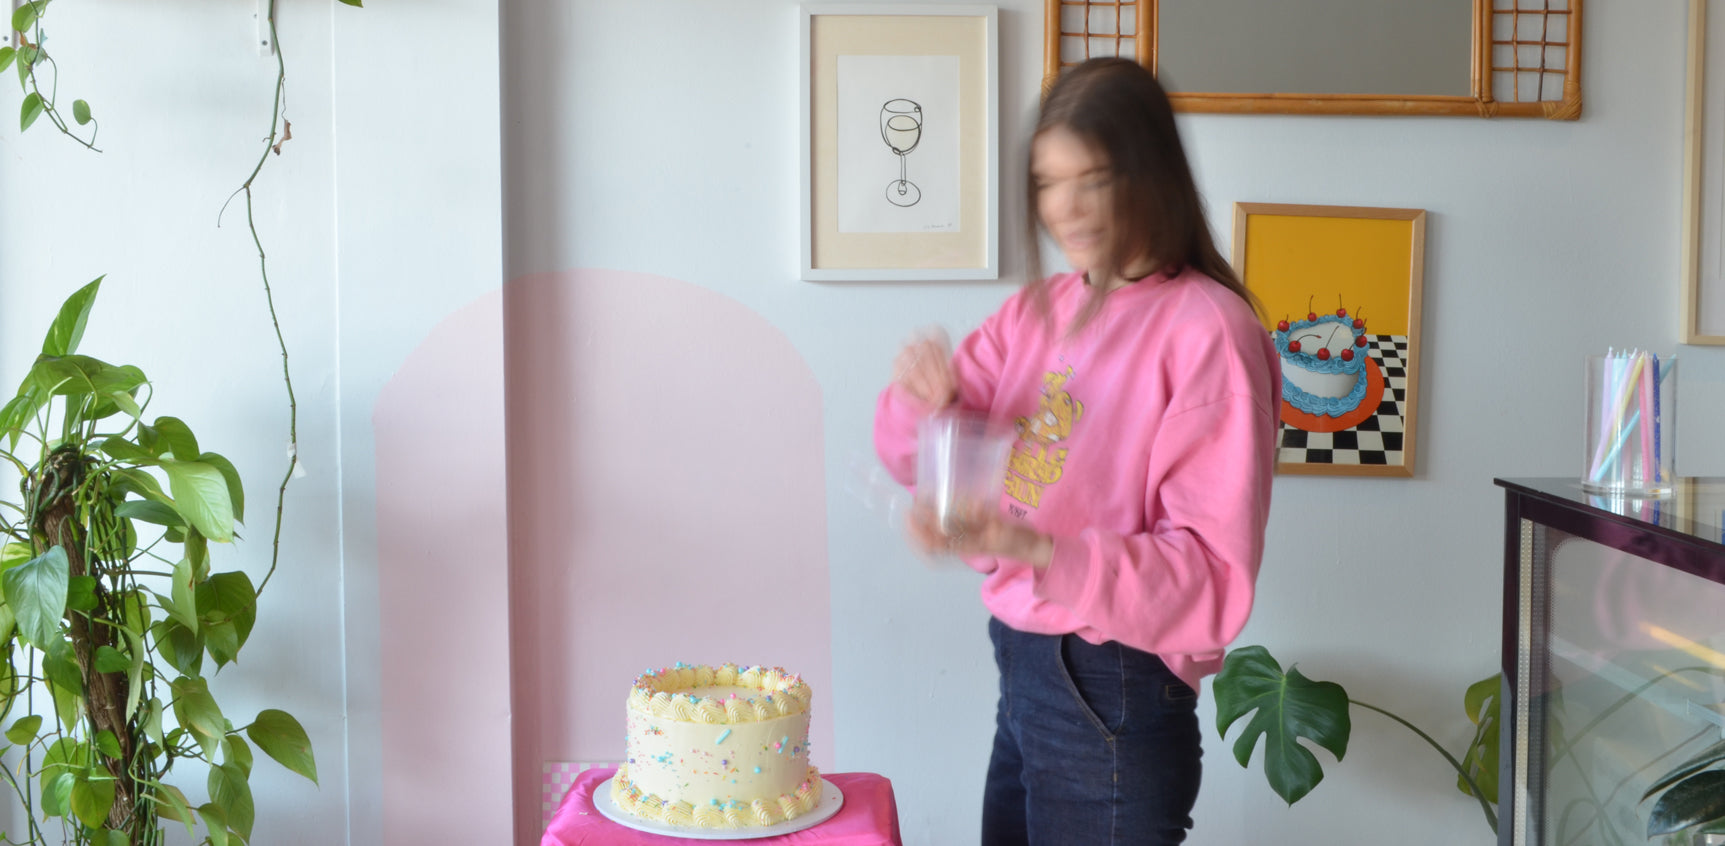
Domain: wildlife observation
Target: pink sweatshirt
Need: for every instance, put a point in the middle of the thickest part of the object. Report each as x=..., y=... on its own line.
x=1146, y=448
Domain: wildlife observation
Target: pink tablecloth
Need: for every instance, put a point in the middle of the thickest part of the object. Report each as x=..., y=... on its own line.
x=869, y=818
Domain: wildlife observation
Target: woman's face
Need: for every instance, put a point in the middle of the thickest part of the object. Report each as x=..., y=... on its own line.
x=1074, y=196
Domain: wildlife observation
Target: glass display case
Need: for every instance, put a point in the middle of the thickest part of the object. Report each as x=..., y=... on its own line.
x=1613, y=659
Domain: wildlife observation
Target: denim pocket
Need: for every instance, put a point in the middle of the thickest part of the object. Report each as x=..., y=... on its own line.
x=1094, y=675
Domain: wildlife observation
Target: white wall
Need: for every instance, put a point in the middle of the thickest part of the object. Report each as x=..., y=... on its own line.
x=662, y=138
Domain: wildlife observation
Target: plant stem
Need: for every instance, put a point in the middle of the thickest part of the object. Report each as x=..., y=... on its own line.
x=1473, y=786
x=271, y=145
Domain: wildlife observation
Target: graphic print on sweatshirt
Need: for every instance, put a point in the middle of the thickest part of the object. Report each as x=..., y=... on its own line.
x=1039, y=457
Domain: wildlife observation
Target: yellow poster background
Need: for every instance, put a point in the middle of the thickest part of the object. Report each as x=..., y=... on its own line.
x=1294, y=259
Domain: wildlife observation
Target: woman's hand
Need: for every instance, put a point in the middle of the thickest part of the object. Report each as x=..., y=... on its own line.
x=981, y=530
x=923, y=370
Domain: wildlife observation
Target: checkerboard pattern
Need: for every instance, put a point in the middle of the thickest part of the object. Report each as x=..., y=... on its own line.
x=556, y=781
x=1378, y=439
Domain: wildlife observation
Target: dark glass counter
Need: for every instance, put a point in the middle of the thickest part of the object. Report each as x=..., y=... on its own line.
x=1613, y=655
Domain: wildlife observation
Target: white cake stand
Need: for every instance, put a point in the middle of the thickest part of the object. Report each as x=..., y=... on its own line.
x=831, y=801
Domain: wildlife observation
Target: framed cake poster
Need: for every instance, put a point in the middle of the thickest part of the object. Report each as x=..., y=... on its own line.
x=900, y=142
x=1340, y=287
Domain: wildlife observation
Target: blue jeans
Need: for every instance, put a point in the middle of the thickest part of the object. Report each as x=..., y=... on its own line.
x=1093, y=745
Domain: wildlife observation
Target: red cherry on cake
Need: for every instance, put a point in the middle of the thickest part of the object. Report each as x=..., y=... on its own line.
x=1341, y=312
x=1281, y=326
x=1293, y=346
x=1323, y=354
x=1359, y=323
x=1359, y=340
x=1311, y=315
x=1347, y=355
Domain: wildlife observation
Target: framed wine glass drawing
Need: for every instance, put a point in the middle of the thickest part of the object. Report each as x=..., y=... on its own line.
x=1340, y=289
x=900, y=143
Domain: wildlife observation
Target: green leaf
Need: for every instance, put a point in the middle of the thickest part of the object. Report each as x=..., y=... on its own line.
x=149, y=512
x=1702, y=760
x=36, y=593
x=228, y=599
x=26, y=61
x=230, y=791
x=111, y=660
x=13, y=554
x=181, y=442
x=120, y=449
x=20, y=410
x=128, y=480
x=1482, y=702
x=354, y=3
x=1693, y=801
x=81, y=593
x=6, y=56
x=236, y=751
x=7, y=624
x=67, y=330
x=282, y=738
x=153, y=725
x=80, y=375
x=24, y=17
x=114, y=837
x=107, y=743
x=134, y=672
x=57, y=794
x=81, y=112
x=1289, y=707
x=216, y=822
x=92, y=798
x=180, y=647
x=31, y=110
x=171, y=803
x=236, y=491
x=61, y=667
x=197, y=712
x=24, y=731
x=201, y=496
x=185, y=605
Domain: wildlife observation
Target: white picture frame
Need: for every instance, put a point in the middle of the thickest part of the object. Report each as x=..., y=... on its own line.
x=1703, y=256
x=934, y=136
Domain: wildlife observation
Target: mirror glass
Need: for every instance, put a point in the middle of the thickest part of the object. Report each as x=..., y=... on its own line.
x=1388, y=47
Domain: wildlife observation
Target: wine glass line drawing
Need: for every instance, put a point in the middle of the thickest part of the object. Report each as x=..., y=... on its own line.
x=901, y=129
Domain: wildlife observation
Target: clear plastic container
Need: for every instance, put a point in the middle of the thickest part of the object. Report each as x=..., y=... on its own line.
x=960, y=465
x=1630, y=443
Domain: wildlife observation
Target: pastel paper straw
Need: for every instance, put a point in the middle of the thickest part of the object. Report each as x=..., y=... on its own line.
x=1648, y=472
x=1624, y=388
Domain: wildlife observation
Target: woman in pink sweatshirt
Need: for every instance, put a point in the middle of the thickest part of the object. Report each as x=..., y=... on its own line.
x=1121, y=558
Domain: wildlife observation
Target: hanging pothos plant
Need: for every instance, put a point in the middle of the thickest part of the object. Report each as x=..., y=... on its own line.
x=109, y=601
x=113, y=615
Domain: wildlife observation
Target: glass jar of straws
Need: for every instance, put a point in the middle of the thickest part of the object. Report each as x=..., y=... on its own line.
x=1630, y=444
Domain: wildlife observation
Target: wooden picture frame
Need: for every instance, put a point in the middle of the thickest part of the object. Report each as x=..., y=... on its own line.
x=1515, y=48
x=901, y=97
x=1703, y=256
x=1355, y=270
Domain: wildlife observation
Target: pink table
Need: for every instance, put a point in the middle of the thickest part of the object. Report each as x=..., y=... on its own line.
x=869, y=817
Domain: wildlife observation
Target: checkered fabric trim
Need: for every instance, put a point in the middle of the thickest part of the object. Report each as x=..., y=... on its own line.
x=1378, y=439
x=555, y=783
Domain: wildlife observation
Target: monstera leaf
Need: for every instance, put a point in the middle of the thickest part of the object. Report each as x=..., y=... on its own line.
x=1482, y=701
x=1694, y=793
x=1290, y=707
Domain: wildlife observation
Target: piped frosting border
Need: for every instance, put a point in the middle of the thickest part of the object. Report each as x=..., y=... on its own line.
x=788, y=806
x=666, y=693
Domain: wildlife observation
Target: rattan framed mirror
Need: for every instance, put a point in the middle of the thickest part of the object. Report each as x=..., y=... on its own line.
x=1486, y=58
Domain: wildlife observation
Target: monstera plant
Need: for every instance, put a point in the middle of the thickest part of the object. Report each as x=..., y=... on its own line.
x=114, y=618
x=1288, y=708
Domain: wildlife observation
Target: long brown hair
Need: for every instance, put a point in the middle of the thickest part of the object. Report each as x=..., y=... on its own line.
x=1117, y=107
